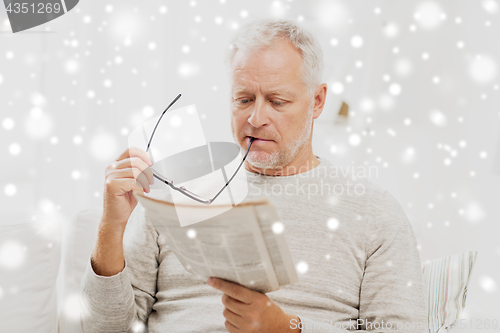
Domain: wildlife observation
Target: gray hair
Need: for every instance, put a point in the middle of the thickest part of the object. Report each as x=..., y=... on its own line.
x=262, y=33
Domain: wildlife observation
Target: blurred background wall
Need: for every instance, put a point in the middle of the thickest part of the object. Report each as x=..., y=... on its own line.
x=420, y=79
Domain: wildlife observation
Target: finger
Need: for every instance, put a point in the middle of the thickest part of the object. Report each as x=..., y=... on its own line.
x=146, y=171
x=141, y=180
x=124, y=185
x=149, y=174
x=136, y=152
x=234, y=319
x=233, y=304
x=134, y=162
x=231, y=328
x=234, y=290
x=139, y=164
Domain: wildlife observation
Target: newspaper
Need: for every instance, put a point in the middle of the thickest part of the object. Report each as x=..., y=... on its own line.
x=246, y=244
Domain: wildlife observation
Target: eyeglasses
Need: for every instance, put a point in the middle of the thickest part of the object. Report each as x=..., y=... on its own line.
x=182, y=189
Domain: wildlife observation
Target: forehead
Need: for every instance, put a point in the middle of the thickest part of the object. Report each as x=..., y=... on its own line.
x=278, y=67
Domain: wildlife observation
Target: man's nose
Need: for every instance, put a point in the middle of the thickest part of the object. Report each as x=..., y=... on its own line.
x=259, y=116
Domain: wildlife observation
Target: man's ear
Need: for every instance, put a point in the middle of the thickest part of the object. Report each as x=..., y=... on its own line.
x=319, y=99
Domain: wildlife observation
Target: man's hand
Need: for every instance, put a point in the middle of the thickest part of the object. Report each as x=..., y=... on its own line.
x=249, y=311
x=130, y=172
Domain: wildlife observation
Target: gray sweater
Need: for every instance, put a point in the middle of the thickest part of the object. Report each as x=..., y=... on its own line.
x=363, y=268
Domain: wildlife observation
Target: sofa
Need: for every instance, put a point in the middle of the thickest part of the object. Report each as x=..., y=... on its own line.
x=41, y=265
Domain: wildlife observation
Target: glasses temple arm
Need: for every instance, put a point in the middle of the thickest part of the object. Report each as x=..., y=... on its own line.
x=161, y=116
x=239, y=166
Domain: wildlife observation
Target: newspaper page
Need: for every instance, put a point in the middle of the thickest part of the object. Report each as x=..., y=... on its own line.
x=238, y=245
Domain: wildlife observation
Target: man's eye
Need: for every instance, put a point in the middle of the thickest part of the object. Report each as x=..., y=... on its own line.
x=244, y=101
x=278, y=103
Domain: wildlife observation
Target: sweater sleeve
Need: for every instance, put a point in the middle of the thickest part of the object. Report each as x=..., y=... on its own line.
x=115, y=303
x=392, y=291
x=392, y=296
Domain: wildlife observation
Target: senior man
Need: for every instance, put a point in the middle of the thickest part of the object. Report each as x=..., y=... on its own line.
x=359, y=264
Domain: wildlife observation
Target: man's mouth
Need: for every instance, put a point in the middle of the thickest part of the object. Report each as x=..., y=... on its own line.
x=256, y=139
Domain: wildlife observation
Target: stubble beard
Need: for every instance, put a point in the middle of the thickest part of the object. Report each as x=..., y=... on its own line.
x=282, y=157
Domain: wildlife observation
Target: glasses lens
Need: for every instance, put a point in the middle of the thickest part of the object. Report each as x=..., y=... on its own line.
x=203, y=170
x=181, y=154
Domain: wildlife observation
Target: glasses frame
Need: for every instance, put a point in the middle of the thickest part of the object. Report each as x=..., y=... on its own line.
x=182, y=189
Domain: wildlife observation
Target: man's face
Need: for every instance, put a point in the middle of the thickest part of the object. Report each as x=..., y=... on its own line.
x=270, y=101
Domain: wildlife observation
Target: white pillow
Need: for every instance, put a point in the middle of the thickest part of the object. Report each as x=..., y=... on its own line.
x=29, y=263
x=78, y=241
x=446, y=281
